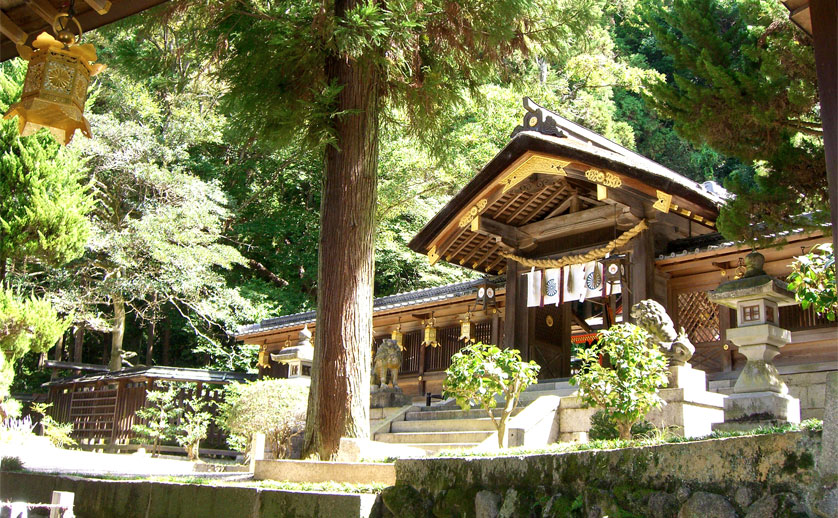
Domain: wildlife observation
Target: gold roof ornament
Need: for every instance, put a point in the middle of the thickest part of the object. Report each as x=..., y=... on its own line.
x=57, y=78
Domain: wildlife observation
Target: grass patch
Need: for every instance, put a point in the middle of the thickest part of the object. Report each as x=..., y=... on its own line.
x=653, y=438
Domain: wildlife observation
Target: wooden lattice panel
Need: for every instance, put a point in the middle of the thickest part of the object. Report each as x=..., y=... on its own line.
x=699, y=317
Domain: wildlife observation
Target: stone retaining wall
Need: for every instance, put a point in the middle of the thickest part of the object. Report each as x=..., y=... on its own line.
x=138, y=499
x=752, y=477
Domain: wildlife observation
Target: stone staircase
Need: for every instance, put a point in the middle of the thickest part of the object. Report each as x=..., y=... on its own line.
x=447, y=427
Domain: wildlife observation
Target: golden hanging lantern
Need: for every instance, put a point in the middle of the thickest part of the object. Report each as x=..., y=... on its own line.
x=430, y=334
x=467, y=329
x=55, y=87
x=398, y=336
x=264, y=358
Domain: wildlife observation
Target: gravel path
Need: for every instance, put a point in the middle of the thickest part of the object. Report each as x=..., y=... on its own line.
x=48, y=459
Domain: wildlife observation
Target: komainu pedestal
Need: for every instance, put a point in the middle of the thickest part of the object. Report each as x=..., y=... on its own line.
x=690, y=409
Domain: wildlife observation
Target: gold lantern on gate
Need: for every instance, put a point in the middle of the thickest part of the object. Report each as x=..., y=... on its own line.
x=264, y=359
x=55, y=87
x=430, y=334
x=397, y=336
x=467, y=329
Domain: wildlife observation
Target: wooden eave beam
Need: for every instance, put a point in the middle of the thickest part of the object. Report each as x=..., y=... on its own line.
x=506, y=234
x=100, y=6
x=43, y=9
x=563, y=206
x=574, y=223
x=11, y=30
x=445, y=245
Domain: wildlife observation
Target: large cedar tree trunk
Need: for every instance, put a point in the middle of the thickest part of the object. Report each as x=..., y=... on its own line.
x=117, y=333
x=78, y=343
x=338, y=404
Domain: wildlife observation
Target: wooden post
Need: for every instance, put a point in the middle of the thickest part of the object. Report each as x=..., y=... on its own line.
x=64, y=498
x=421, y=385
x=495, y=326
x=516, y=317
x=565, y=331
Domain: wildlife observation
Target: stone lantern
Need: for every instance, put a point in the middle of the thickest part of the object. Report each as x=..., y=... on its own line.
x=299, y=357
x=759, y=396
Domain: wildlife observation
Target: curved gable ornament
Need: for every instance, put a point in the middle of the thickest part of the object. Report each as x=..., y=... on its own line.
x=532, y=165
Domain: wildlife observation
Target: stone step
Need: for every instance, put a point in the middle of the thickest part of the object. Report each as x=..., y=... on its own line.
x=431, y=448
x=433, y=437
x=548, y=385
x=528, y=397
x=451, y=413
x=443, y=425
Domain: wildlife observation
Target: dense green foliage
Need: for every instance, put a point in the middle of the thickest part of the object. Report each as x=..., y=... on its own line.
x=481, y=373
x=743, y=82
x=276, y=408
x=813, y=281
x=206, y=164
x=44, y=202
x=27, y=324
x=622, y=374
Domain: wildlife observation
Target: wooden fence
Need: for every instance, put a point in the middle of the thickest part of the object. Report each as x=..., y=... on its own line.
x=106, y=413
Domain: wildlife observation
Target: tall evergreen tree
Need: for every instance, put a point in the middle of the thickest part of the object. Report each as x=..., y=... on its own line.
x=327, y=71
x=744, y=82
x=44, y=201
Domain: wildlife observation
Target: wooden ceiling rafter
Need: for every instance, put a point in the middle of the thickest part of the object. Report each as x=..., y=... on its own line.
x=459, y=249
x=486, y=256
x=527, y=205
x=550, y=199
x=477, y=248
x=512, y=200
x=443, y=248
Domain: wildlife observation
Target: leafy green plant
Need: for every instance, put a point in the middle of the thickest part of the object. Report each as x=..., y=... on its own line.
x=58, y=433
x=480, y=373
x=194, y=425
x=622, y=374
x=276, y=408
x=159, y=415
x=603, y=427
x=813, y=281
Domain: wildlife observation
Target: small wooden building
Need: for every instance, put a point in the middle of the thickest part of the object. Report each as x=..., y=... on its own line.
x=102, y=407
x=557, y=196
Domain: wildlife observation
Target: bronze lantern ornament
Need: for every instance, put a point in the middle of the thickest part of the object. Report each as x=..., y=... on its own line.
x=57, y=78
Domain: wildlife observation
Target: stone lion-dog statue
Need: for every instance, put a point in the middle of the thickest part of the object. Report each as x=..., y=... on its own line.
x=388, y=359
x=652, y=317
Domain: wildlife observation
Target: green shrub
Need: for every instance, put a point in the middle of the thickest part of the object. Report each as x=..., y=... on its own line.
x=480, y=373
x=622, y=374
x=194, y=425
x=603, y=428
x=159, y=415
x=276, y=408
x=58, y=433
x=11, y=464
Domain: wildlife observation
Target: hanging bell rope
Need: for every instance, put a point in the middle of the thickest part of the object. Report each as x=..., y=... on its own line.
x=593, y=255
